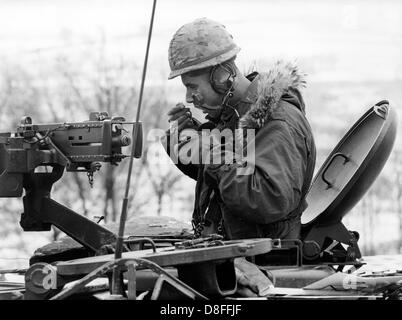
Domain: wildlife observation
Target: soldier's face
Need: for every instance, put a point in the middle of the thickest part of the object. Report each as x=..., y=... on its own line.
x=200, y=93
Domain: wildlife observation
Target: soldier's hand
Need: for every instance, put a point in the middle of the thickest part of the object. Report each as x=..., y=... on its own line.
x=182, y=115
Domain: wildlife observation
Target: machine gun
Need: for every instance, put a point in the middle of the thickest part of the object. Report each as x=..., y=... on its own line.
x=77, y=146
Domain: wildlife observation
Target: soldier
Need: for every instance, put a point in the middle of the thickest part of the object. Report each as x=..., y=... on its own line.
x=269, y=201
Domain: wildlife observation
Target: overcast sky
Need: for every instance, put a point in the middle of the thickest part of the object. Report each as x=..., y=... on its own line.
x=353, y=40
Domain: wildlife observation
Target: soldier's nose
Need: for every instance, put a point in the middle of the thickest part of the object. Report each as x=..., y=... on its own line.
x=189, y=98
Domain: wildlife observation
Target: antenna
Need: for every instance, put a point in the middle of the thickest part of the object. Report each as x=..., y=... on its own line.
x=136, y=152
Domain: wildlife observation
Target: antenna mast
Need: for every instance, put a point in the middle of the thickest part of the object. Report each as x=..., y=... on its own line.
x=136, y=152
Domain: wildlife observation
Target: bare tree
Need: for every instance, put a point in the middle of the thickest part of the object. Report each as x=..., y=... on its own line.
x=68, y=91
x=100, y=91
x=398, y=185
x=18, y=97
x=110, y=87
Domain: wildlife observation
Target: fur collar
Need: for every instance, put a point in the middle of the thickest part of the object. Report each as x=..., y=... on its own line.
x=281, y=79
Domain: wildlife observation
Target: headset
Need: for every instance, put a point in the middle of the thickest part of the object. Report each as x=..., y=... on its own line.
x=222, y=78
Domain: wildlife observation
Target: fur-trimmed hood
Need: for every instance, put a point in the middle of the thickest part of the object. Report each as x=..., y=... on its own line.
x=283, y=81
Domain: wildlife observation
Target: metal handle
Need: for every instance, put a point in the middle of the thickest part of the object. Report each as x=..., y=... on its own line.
x=141, y=241
x=338, y=154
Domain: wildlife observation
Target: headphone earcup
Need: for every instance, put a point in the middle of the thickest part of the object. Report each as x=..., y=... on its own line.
x=221, y=79
x=220, y=87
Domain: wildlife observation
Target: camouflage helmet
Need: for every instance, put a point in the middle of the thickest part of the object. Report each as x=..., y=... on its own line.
x=200, y=44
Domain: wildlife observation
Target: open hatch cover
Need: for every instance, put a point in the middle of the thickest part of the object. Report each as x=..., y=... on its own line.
x=352, y=167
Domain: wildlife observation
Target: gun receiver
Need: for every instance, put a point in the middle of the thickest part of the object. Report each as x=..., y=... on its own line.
x=78, y=146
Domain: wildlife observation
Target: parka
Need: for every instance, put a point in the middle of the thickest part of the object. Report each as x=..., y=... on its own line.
x=269, y=201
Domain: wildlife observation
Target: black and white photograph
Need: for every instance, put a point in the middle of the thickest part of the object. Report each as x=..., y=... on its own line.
x=200, y=155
